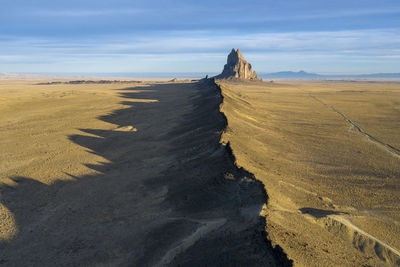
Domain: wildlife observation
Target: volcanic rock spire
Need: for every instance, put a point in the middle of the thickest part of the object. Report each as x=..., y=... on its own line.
x=237, y=68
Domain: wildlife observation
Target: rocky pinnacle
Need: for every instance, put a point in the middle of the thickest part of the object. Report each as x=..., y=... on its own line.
x=237, y=68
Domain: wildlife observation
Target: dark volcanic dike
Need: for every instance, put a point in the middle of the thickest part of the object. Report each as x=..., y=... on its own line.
x=217, y=190
x=171, y=195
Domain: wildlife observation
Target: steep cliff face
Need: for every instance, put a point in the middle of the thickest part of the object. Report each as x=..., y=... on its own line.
x=237, y=67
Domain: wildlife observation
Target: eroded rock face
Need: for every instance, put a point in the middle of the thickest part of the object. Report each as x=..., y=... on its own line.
x=237, y=67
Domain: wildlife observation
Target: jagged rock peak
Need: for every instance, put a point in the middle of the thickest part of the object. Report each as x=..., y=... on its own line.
x=237, y=68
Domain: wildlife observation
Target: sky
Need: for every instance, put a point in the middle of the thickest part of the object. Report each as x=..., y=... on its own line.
x=99, y=36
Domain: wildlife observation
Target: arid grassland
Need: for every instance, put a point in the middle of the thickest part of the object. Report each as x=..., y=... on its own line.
x=140, y=174
x=124, y=174
x=328, y=155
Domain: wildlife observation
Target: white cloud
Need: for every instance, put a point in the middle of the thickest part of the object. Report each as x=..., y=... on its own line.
x=201, y=51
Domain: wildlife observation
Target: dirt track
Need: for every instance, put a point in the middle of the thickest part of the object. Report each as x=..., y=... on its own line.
x=389, y=148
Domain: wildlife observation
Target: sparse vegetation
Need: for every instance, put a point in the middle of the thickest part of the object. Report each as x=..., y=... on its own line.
x=310, y=158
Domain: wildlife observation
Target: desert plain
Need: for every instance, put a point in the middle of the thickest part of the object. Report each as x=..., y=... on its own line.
x=200, y=173
x=327, y=153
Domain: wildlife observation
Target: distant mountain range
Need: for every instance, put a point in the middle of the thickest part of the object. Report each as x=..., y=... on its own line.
x=307, y=75
x=290, y=74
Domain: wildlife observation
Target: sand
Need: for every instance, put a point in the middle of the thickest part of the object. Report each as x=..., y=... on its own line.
x=328, y=155
x=124, y=175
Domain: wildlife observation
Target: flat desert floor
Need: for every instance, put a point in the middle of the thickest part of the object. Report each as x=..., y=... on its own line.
x=141, y=174
x=329, y=157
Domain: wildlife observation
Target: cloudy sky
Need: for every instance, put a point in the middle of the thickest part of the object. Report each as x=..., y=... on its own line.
x=88, y=36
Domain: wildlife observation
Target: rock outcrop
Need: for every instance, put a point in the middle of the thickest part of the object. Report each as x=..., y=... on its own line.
x=237, y=68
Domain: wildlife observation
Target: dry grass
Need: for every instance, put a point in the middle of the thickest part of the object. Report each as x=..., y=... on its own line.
x=333, y=194
x=318, y=168
x=123, y=175
x=35, y=121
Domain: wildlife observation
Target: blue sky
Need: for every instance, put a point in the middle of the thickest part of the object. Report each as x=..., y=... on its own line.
x=87, y=36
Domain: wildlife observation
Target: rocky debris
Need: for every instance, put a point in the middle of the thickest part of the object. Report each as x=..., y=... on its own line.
x=237, y=68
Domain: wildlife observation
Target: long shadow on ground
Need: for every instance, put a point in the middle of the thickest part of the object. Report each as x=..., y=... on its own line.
x=170, y=196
